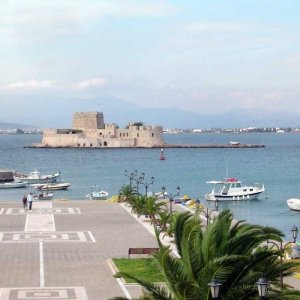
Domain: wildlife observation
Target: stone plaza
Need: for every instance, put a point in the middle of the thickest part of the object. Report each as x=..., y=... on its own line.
x=61, y=250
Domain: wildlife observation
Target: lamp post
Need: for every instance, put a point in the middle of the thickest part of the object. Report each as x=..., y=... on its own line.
x=262, y=286
x=206, y=212
x=130, y=176
x=215, y=288
x=146, y=184
x=171, y=197
x=281, y=248
x=137, y=180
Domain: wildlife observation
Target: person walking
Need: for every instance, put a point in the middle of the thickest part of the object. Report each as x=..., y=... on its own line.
x=24, y=200
x=30, y=199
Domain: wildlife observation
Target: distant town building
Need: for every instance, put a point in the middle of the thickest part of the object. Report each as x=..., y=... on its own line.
x=89, y=130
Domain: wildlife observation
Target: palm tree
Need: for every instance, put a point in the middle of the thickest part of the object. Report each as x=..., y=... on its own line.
x=152, y=207
x=126, y=193
x=164, y=219
x=234, y=253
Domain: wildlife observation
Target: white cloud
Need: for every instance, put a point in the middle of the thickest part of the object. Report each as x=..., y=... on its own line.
x=70, y=16
x=90, y=83
x=294, y=59
x=30, y=85
x=198, y=27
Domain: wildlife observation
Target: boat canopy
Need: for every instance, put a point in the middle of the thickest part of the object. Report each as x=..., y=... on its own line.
x=231, y=180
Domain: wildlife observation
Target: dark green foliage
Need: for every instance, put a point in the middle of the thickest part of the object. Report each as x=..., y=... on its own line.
x=235, y=253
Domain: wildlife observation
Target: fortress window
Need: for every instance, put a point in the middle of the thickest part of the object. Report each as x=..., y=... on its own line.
x=78, y=145
x=127, y=134
x=83, y=145
x=137, y=134
x=100, y=133
x=152, y=134
x=105, y=144
x=91, y=145
x=120, y=134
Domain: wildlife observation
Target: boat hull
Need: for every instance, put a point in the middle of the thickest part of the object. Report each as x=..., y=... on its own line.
x=59, y=186
x=13, y=185
x=97, y=195
x=42, y=179
x=46, y=196
x=294, y=204
x=215, y=197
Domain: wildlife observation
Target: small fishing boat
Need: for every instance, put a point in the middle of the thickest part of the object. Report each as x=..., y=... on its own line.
x=13, y=185
x=60, y=185
x=97, y=194
x=293, y=203
x=232, y=189
x=36, y=177
x=44, y=196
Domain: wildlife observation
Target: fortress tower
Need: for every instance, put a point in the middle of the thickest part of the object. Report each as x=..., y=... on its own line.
x=88, y=120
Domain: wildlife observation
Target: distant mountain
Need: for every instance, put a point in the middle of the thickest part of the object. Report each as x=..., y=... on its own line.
x=7, y=126
x=57, y=112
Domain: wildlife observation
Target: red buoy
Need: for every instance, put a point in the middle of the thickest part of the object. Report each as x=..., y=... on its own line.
x=162, y=157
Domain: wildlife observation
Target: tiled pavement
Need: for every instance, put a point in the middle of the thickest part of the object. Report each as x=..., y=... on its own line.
x=60, y=250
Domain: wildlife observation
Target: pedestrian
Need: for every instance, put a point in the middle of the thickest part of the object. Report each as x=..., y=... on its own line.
x=24, y=200
x=30, y=199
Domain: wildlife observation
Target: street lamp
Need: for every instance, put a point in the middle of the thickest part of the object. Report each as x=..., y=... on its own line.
x=206, y=212
x=137, y=180
x=215, y=288
x=281, y=248
x=262, y=286
x=171, y=197
x=130, y=176
x=146, y=184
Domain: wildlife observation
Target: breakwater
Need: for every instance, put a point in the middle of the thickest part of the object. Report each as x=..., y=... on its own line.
x=192, y=146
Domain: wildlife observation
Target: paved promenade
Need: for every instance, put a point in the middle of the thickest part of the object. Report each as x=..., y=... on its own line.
x=59, y=250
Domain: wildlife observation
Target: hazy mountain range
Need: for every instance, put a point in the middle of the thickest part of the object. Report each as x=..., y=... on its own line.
x=57, y=112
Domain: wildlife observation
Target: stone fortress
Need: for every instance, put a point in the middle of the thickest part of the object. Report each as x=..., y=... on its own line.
x=90, y=131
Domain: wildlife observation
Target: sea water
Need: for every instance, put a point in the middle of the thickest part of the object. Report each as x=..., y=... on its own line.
x=277, y=166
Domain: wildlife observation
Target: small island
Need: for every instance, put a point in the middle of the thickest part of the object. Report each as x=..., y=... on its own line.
x=90, y=131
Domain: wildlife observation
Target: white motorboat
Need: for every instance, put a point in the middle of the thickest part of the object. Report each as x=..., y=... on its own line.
x=161, y=195
x=232, y=189
x=36, y=177
x=97, y=194
x=43, y=196
x=54, y=186
x=13, y=184
x=293, y=203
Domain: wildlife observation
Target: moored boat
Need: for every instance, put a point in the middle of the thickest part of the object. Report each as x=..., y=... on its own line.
x=12, y=185
x=97, y=194
x=293, y=203
x=55, y=186
x=232, y=189
x=44, y=196
x=36, y=177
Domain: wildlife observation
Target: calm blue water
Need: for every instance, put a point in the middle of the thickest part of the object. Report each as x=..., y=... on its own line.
x=277, y=166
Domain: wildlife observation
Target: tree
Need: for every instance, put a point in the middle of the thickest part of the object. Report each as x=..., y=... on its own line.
x=234, y=253
x=126, y=193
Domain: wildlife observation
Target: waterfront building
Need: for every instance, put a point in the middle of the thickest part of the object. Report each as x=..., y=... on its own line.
x=89, y=130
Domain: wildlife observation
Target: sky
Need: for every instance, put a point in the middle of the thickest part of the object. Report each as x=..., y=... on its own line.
x=203, y=56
